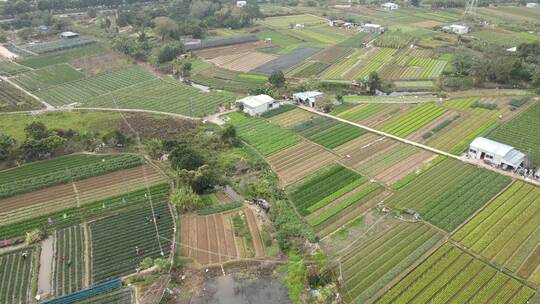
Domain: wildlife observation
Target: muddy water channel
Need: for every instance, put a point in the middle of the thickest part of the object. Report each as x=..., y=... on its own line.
x=233, y=289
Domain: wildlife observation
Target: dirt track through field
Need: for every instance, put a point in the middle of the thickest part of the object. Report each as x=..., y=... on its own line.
x=89, y=190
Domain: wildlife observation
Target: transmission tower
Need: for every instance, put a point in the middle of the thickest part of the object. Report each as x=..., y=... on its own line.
x=470, y=9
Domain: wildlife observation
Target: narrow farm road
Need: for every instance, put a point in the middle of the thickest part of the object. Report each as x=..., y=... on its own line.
x=422, y=146
x=47, y=106
x=45, y=266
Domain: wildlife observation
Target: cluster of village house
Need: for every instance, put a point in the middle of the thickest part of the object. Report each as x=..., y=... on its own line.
x=259, y=104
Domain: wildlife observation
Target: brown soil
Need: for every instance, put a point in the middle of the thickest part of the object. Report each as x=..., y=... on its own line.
x=231, y=49
x=87, y=189
x=291, y=118
x=254, y=230
x=242, y=62
x=401, y=169
x=101, y=63
x=298, y=161
x=530, y=264
x=154, y=126
x=385, y=115
x=367, y=153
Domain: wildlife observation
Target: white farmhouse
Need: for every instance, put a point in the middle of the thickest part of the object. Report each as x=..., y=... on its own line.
x=257, y=105
x=390, y=6
x=532, y=5
x=310, y=98
x=241, y=3
x=457, y=29
x=496, y=153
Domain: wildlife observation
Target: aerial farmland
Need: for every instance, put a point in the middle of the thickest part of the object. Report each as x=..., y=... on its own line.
x=243, y=152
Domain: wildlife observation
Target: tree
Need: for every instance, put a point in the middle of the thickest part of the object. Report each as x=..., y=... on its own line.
x=374, y=82
x=115, y=138
x=415, y=3
x=185, y=157
x=277, y=79
x=146, y=263
x=36, y=130
x=185, y=70
x=33, y=236
x=229, y=136
x=169, y=51
x=185, y=199
x=462, y=64
x=166, y=27
x=92, y=13
x=7, y=144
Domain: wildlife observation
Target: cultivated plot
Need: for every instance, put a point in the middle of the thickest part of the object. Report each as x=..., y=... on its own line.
x=69, y=260
x=16, y=274
x=453, y=276
x=507, y=231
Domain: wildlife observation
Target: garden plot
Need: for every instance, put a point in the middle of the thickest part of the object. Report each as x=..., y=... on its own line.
x=267, y=138
x=286, y=61
x=397, y=171
x=373, y=116
x=361, y=150
x=59, y=45
x=60, y=170
x=336, y=135
x=307, y=69
x=285, y=21
x=320, y=35
x=457, y=135
x=13, y=99
x=221, y=51
x=115, y=238
x=333, y=54
x=242, y=62
x=218, y=238
x=449, y=193
x=340, y=68
x=507, y=231
x=292, y=118
x=46, y=77
x=522, y=132
x=381, y=255
x=76, y=215
x=387, y=159
x=16, y=273
x=493, y=107
x=412, y=120
x=165, y=95
x=451, y=275
x=10, y=69
x=57, y=198
x=120, y=296
x=81, y=90
x=299, y=161
x=223, y=79
x=361, y=112
x=426, y=24
x=375, y=59
x=37, y=62
x=431, y=128
x=102, y=63
x=315, y=125
x=69, y=260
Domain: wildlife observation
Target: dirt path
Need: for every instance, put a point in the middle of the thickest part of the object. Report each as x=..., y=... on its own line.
x=254, y=229
x=7, y=53
x=45, y=266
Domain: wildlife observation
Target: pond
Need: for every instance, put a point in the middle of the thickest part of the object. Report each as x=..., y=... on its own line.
x=233, y=289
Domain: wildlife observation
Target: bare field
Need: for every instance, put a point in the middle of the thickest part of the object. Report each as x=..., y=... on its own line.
x=230, y=49
x=398, y=171
x=242, y=62
x=300, y=160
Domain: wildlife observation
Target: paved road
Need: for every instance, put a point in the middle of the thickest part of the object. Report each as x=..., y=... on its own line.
x=422, y=146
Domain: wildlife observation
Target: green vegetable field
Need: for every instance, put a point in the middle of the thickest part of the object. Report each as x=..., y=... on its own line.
x=379, y=258
x=507, y=231
x=413, y=120
x=114, y=240
x=15, y=272
x=46, y=77
x=449, y=193
x=69, y=272
x=450, y=274
x=337, y=135
x=522, y=132
x=265, y=137
x=61, y=170
x=120, y=296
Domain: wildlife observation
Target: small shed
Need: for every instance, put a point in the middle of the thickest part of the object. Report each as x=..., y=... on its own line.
x=310, y=98
x=373, y=28
x=457, y=29
x=68, y=35
x=241, y=3
x=257, y=105
x=532, y=5
x=390, y=6
x=496, y=153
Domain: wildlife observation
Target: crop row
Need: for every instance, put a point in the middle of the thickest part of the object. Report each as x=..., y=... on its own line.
x=13, y=99
x=337, y=135
x=15, y=276
x=522, y=132
x=81, y=90
x=114, y=240
x=413, y=120
x=334, y=196
x=267, y=138
x=66, y=169
x=361, y=112
x=37, y=62
x=165, y=95
x=10, y=69
x=449, y=192
x=120, y=296
x=371, y=266
x=385, y=160
x=451, y=274
x=312, y=69
x=59, y=45
x=313, y=126
x=341, y=205
x=47, y=77
x=76, y=215
x=69, y=260
x=431, y=67
x=320, y=185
